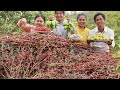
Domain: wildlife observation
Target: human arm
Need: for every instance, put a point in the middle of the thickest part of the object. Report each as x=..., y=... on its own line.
x=111, y=42
x=22, y=23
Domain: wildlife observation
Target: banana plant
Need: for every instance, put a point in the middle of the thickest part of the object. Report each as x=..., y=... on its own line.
x=51, y=24
x=68, y=26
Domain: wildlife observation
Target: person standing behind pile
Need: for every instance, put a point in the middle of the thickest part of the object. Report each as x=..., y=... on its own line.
x=100, y=28
x=39, y=22
x=59, y=30
x=81, y=29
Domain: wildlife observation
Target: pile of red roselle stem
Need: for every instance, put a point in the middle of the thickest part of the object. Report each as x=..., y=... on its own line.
x=49, y=56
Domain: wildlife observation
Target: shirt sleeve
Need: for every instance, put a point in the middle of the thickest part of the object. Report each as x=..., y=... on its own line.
x=28, y=28
x=91, y=33
x=111, y=36
x=54, y=30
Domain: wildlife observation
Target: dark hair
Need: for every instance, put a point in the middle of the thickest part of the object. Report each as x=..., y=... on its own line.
x=40, y=16
x=103, y=15
x=81, y=14
x=61, y=11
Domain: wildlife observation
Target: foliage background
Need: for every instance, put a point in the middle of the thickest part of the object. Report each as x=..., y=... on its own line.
x=9, y=19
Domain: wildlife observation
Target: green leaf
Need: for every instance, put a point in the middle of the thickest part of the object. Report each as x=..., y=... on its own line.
x=118, y=67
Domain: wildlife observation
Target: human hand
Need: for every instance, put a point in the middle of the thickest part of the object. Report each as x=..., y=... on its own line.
x=88, y=41
x=109, y=42
x=22, y=21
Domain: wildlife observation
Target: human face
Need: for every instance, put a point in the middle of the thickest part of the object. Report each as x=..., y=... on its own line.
x=59, y=16
x=100, y=22
x=39, y=22
x=81, y=21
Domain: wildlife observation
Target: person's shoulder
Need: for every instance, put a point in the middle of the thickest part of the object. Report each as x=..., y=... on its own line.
x=109, y=29
x=94, y=29
x=87, y=29
x=65, y=21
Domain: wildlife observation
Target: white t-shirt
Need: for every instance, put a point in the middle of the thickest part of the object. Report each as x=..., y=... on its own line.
x=104, y=46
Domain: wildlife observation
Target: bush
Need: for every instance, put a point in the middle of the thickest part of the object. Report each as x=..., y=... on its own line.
x=46, y=55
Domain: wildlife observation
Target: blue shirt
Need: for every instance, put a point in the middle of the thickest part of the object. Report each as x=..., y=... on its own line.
x=59, y=30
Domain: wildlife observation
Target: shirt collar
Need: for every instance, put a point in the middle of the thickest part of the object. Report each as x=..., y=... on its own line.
x=80, y=28
x=64, y=21
x=105, y=29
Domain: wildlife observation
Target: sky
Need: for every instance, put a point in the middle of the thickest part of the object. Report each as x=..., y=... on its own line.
x=76, y=11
